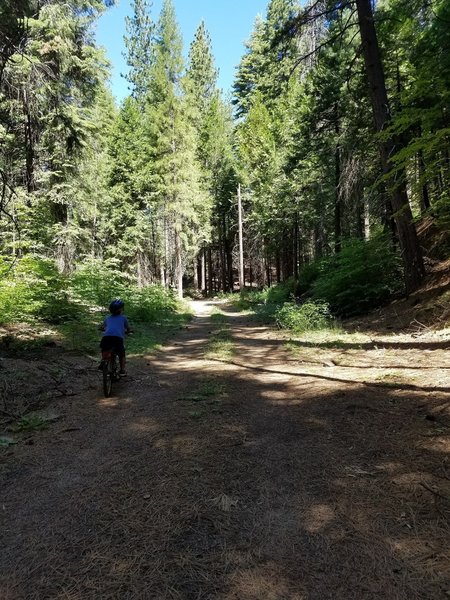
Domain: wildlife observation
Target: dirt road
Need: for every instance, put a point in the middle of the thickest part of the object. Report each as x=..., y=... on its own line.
x=266, y=475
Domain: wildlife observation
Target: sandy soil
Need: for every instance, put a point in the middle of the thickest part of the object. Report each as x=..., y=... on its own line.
x=317, y=471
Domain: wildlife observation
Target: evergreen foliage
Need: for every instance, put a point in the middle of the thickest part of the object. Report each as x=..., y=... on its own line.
x=98, y=200
x=309, y=316
x=362, y=276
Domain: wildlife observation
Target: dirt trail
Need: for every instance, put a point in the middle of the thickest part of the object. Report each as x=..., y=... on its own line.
x=264, y=477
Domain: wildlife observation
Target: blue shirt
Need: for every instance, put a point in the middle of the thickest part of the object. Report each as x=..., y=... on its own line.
x=116, y=325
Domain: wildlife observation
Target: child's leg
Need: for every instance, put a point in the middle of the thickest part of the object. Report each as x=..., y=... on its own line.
x=122, y=364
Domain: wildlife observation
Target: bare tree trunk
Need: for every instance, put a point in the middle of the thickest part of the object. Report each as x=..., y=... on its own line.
x=203, y=271
x=210, y=272
x=195, y=267
x=424, y=196
x=178, y=265
x=241, y=246
x=337, y=198
x=366, y=219
x=295, y=248
x=29, y=147
x=229, y=257
x=222, y=253
x=409, y=244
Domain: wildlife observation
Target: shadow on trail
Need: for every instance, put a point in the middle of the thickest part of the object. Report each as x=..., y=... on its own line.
x=383, y=343
x=207, y=482
x=375, y=384
x=340, y=344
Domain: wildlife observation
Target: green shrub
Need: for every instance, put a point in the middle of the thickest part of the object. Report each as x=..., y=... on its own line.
x=309, y=316
x=282, y=292
x=308, y=275
x=149, y=304
x=32, y=289
x=363, y=276
x=97, y=282
x=248, y=299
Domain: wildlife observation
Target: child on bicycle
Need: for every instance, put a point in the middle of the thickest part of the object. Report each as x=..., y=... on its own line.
x=114, y=328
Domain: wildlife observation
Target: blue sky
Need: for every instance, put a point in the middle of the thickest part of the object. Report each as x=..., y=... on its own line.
x=229, y=23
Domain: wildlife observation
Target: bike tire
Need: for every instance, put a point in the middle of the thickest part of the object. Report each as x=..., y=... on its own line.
x=116, y=368
x=107, y=378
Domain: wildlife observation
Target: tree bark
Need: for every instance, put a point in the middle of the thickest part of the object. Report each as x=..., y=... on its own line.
x=222, y=252
x=203, y=270
x=296, y=247
x=409, y=244
x=337, y=198
x=241, y=244
x=195, y=267
x=178, y=265
x=424, y=196
x=210, y=273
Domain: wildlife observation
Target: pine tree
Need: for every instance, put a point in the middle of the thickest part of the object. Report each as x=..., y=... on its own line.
x=139, y=45
x=213, y=125
x=175, y=174
x=51, y=76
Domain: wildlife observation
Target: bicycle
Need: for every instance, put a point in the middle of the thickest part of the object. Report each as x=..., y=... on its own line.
x=110, y=371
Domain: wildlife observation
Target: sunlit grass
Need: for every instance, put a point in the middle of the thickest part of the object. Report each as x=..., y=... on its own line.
x=220, y=345
x=217, y=316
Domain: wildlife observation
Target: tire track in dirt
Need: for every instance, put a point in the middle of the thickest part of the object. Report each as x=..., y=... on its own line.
x=205, y=480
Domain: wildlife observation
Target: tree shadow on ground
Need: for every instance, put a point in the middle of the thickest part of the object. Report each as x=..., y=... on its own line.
x=274, y=487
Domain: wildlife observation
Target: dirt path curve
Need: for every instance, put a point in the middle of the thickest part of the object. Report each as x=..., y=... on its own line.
x=204, y=479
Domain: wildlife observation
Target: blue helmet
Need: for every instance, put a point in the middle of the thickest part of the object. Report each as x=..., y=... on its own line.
x=116, y=305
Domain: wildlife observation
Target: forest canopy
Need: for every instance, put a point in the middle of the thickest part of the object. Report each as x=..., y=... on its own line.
x=338, y=133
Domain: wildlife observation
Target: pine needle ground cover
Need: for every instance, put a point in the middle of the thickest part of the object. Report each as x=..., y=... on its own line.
x=226, y=479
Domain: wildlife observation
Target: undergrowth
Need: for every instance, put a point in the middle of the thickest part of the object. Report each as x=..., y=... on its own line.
x=362, y=276
x=72, y=307
x=309, y=316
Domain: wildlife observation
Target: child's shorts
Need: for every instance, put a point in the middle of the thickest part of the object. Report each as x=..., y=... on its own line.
x=113, y=343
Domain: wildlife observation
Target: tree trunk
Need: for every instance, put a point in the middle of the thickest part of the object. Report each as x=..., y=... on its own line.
x=178, y=265
x=210, y=272
x=241, y=244
x=195, y=267
x=337, y=198
x=296, y=247
x=203, y=269
x=222, y=252
x=229, y=257
x=409, y=244
x=424, y=196
x=366, y=218
x=29, y=148
x=278, y=266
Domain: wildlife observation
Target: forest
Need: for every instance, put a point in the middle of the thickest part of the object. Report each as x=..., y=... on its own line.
x=337, y=132
x=279, y=428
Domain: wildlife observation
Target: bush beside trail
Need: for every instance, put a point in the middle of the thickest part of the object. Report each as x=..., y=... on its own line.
x=70, y=308
x=361, y=277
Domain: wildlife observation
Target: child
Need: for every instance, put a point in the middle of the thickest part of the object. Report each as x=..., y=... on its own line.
x=115, y=327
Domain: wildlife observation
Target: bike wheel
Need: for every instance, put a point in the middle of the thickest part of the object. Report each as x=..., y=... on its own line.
x=107, y=377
